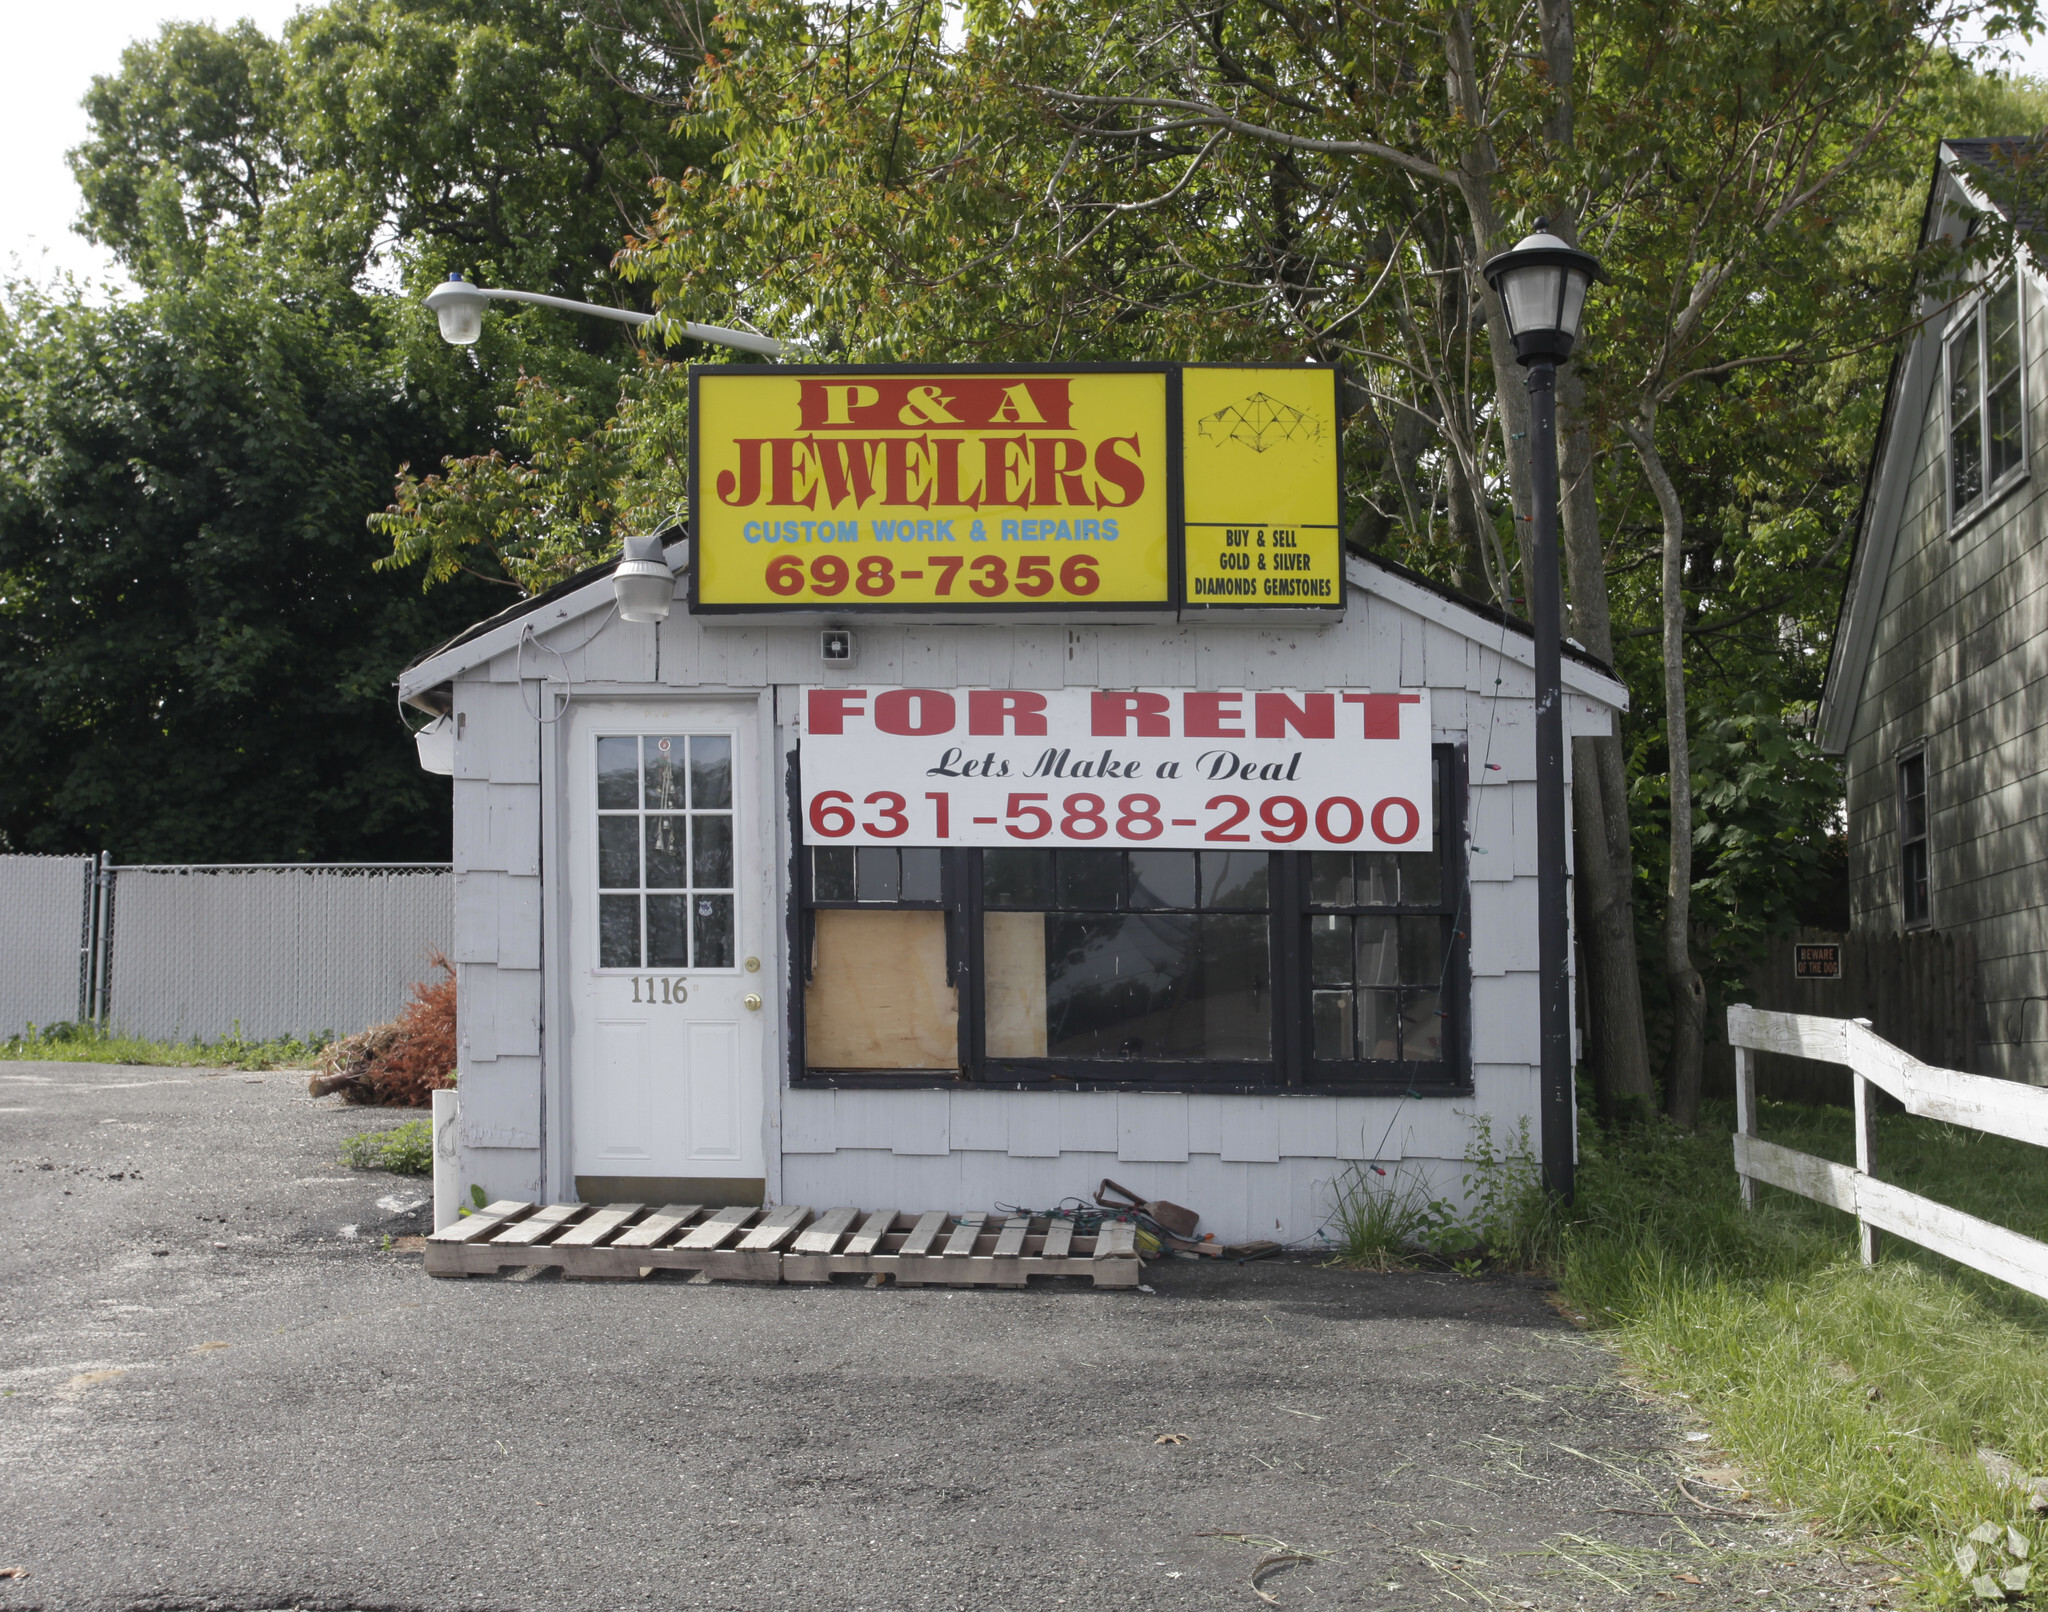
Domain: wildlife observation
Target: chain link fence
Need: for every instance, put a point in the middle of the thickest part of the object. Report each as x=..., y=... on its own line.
x=45, y=939
x=176, y=951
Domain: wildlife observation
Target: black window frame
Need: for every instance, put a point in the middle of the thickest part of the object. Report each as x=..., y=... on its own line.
x=1291, y=1071
x=1915, y=860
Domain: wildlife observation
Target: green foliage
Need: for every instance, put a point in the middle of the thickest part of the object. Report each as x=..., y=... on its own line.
x=89, y=1043
x=1384, y=1217
x=195, y=661
x=1859, y=1396
x=406, y=1149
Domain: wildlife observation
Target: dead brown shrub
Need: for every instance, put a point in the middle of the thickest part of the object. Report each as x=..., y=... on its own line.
x=396, y=1065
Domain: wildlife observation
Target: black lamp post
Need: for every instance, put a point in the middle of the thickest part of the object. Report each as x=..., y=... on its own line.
x=1542, y=286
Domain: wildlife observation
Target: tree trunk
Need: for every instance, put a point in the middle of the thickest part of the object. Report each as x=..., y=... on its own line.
x=1688, y=990
x=1618, y=1050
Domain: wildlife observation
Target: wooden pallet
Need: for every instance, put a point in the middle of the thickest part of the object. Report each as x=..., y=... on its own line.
x=625, y=1241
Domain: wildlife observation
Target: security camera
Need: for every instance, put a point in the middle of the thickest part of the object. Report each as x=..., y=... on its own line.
x=835, y=646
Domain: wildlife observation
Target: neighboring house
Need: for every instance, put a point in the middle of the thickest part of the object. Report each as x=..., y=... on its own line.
x=819, y=1036
x=1938, y=687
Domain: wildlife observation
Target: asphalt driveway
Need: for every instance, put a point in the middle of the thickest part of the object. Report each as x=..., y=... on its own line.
x=218, y=1388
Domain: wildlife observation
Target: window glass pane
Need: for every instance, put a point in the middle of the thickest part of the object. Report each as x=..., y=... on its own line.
x=1422, y=1030
x=711, y=851
x=1379, y=1024
x=1016, y=878
x=1329, y=878
x=2005, y=427
x=618, y=931
x=2002, y=331
x=713, y=916
x=1157, y=986
x=921, y=873
x=1422, y=953
x=618, y=774
x=711, y=771
x=663, y=780
x=1422, y=882
x=1965, y=435
x=668, y=939
x=1913, y=870
x=667, y=850
x=1329, y=949
x=1162, y=879
x=1091, y=881
x=1333, y=1025
x=878, y=874
x=1377, y=962
x=832, y=873
x=1378, y=878
x=1234, y=879
x=618, y=854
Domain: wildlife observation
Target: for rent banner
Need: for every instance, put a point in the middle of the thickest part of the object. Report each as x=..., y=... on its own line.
x=1314, y=769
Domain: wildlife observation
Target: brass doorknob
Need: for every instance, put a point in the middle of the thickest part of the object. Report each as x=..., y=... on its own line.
x=753, y=1002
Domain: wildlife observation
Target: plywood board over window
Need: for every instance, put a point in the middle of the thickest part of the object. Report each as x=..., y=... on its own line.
x=878, y=997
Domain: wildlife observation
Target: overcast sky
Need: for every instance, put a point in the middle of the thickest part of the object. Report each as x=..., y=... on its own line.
x=52, y=55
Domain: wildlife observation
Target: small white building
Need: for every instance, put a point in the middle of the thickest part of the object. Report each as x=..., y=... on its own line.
x=730, y=1015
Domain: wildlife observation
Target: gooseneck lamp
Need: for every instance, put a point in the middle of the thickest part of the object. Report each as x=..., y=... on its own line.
x=1542, y=286
x=459, y=306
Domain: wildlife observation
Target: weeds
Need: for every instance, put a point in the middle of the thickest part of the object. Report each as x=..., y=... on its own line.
x=1383, y=1220
x=89, y=1043
x=403, y=1150
x=1861, y=1396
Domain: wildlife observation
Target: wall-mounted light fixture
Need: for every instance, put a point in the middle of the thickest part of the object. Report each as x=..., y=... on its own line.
x=642, y=582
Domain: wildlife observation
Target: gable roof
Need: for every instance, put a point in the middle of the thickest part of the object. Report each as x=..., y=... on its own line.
x=1969, y=175
x=588, y=591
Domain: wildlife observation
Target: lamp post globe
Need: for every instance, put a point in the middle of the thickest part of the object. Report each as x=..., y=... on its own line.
x=459, y=306
x=1542, y=287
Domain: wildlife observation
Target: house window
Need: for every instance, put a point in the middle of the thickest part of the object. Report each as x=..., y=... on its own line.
x=1986, y=427
x=664, y=851
x=1913, y=837
x=1226, y=969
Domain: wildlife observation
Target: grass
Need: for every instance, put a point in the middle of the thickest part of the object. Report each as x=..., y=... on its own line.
x=406, y=1149
x=1860, y=1397
x=88, y=1043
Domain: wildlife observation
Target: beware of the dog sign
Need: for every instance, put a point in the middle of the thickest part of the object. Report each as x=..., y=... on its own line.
x=1817, y=960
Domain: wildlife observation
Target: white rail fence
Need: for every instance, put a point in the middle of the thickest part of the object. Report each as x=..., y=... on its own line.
x=1978, y=1102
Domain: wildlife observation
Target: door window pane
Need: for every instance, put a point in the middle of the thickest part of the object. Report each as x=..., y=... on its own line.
x=618, y=773
x=710, y=851
x=664, y=861
x=713, y=932
x=618, y=856
x=668, y=935
x=710, y=772
x=618, y=931
x=667, y=847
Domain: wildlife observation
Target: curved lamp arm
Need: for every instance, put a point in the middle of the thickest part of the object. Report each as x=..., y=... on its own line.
x=459, y=306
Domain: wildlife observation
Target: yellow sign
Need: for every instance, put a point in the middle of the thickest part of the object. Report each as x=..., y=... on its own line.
x=1259, y=477
x=851, y=489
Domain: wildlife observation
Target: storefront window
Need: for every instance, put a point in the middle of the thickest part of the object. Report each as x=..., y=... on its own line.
x=1237, y=969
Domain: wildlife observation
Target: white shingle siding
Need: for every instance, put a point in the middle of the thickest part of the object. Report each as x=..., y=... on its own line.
x=1257, y=1165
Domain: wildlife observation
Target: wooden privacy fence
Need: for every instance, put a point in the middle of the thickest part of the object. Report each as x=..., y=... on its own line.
x=1979, y=1102
x=1917, y=990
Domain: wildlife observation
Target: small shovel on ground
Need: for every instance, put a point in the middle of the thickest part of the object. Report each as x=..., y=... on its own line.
x=1177, y=1223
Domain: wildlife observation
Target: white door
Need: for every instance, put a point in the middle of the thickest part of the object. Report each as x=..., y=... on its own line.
x=667, y=932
